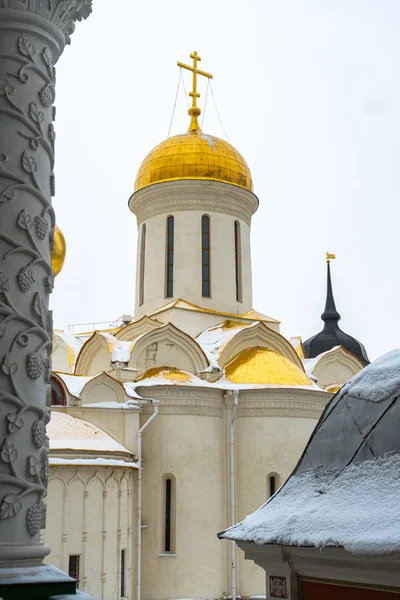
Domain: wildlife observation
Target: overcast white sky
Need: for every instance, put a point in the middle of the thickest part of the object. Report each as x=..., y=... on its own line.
x=308, y=91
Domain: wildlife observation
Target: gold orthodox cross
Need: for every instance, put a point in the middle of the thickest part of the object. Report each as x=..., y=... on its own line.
x=194, y=111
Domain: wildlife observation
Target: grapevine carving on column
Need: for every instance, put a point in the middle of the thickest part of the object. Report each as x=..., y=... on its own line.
x=27, y=93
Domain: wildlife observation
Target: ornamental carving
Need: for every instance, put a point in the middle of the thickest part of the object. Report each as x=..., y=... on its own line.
x=191, y=196
x=199, y=402
x=62, y=13
x=199, y=410
x=26, y=277
x=277, y=587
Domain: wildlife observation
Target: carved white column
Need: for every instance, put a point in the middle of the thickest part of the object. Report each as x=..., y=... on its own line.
x=33, y=34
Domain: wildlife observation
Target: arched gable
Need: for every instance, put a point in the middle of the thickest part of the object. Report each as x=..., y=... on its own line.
x=336, y=366
x=168, y=346
x=94, y=356
x=259, y=335
x=103, y=388
x=59, y=356
x=137, y=328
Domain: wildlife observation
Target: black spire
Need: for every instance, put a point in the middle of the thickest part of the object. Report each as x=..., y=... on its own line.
x=330, y=313
x=332, y=335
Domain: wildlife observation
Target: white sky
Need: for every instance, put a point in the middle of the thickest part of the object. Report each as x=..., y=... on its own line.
x=308, y=91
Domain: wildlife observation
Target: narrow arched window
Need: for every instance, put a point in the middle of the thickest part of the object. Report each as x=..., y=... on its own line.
x=142, y=264
x=169, y=292
x=205, y=256
x=168, y=514
x=273, y=484
x=238, y=262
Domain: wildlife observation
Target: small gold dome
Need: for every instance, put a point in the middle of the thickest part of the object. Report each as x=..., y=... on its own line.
x=167, y=373
x=194, y=155
x=334, y=388
x=263, y=366
x=59, y=251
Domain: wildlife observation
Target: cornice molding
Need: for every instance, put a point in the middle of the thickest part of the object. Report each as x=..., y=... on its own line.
x=253, y=403
x=208, y=196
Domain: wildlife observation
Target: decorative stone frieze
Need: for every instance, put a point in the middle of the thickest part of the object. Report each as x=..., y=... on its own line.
x=252, y=403
x=33, y=34
x=209, y=196
x=202, y=403
x=282, y=403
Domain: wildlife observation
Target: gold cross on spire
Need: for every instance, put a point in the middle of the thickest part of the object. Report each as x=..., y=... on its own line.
x=194, y=111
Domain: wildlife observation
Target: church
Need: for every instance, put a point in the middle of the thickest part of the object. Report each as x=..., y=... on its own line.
x=172, y=425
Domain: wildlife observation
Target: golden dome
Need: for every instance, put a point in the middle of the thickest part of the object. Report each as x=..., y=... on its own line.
x=194, y=155
x=170, y=373
x=263, y=366
x=59, y=251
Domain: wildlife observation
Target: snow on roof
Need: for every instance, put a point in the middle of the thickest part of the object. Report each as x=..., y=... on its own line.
x=252, y=315
x=168, y=376
x=213, y=339
x=378, y=380
x=311, y=363
x=72, y=343
x=345, y=489
x=67, y=432
x=120, y=350
x=74, y=383
x=91, y=462
x=130, y=390
x=356, y=508
x=130, y=404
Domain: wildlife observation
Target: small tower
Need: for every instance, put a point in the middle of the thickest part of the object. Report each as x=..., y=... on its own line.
x=193, y=202
x=332, y=335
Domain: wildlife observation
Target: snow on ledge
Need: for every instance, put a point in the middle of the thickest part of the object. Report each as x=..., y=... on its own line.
x=91, y=462
x=129, y=405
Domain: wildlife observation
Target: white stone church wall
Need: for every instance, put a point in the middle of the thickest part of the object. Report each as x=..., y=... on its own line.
x=187, y=443
x=90, y=514
x=267, y=444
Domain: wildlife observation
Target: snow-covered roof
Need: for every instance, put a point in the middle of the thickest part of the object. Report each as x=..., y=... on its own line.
x=74, y=383
x=120, y=350
x=91, y=462
x=213, y=339
x=345, y=488
x=69, y=433
x=311, y=363
x=182, y=304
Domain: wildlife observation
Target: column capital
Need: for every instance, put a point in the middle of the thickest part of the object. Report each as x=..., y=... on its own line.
x=59, y=14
